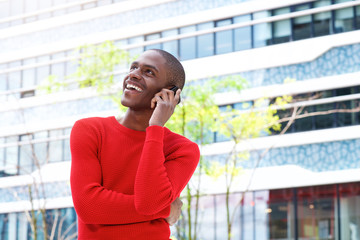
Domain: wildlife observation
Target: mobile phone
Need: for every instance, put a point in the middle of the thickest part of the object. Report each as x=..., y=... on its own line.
x=174, y=89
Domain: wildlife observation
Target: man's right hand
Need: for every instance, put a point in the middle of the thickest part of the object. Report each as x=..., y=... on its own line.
x=175, y=212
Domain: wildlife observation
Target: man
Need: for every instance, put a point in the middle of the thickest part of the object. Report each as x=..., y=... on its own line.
x=127, y=173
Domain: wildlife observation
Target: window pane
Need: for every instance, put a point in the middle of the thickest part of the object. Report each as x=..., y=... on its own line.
x=357, y=19
x=282, y=29
x=247, y=216
x=350, y=210
x=11, y=156
x=187, y=45
x=58, y=69
x=28, y=74
x=344, y=18
x=134, y=52
x=4, y=226
x=304, y=124
x=14, y=79
x=322, y=21
x=22, y=226
x=324, y=121
x=4, y=12
x=242, y=36
x=26, y=155
x=262, y=32
x=205, y=43
x=171, y=46
x=42, y=5
x=2, y=157
x=302, y=25
x=67, y=154
x=224, y=39
x=316, y=212
x=153, y=37
x=16, y=7
x=41, y=148
x=3, y=84
x=281, y=214
x=56, y=147
x=42, y=73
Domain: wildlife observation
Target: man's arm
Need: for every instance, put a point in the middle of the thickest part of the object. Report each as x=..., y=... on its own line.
x=95, y=204
x=158, y=182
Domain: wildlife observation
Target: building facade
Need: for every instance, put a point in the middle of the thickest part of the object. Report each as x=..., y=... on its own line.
x=305, y=187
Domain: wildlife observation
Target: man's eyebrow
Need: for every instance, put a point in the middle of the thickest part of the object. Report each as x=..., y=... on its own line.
x=145, y=65
x=152, y=67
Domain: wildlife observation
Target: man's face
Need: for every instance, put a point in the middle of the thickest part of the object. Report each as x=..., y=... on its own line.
x=147, y=76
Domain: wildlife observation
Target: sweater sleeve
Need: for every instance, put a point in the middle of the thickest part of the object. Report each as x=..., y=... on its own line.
x=93, y=203
x=158, y=182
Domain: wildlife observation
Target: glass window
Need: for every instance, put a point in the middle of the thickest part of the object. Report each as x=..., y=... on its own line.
x=43, y=72
x=346, y=119
x=41, y=149
x=170, y=46
x=43, y=4
x=187, y=45
x=247, y=228
x=67, y=154
x=205, y=43
x=30, y=6
x=281, y=214
x=16, y=7
x=344, y=18
x=22, y=226
x=357, y=18
x=153, y=37
x=242, y=36
x=322, y=21
x=14, y=79
x=305, y=124
x=4, y=226
x=317, y=218
x=28, y=77
x=324, y=121
x=58, y=69
x=11, y=156
x=350, y=211
x=71, y=65
x=26, y=162
x=59, y=3
x=103, y=2
x=302, y=25
x=2, y=156
x=3, y=82
x=4, y=12
x=56, y=146
x=224, y=39
x=89, y=5
x=262, y=31
x=281, y=29
x=134, y=52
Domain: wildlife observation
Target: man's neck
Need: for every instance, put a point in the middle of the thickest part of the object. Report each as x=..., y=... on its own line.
x=136, y=120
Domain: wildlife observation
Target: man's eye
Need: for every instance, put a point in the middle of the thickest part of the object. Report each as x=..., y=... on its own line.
x=133, y=68
x=149, y=72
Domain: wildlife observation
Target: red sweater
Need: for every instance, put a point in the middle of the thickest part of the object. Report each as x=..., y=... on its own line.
x=123, y=181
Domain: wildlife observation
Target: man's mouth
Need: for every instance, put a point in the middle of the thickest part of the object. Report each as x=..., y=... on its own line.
x=130, y=86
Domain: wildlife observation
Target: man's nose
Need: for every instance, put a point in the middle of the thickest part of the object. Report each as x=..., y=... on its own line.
x=135, y=73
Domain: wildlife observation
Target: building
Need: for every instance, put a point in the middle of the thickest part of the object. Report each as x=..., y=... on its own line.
x=306, y=187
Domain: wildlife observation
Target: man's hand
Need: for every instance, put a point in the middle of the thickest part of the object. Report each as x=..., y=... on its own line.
x=175, y=211
x=164, y=103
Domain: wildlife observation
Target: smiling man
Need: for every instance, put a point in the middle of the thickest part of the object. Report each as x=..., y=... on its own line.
x=127, y=173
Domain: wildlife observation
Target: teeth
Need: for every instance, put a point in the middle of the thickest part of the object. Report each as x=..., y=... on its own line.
x=134, y=87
